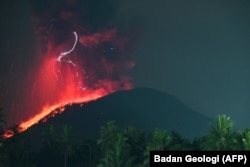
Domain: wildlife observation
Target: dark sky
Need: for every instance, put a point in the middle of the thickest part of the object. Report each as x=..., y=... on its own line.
x=198, y=51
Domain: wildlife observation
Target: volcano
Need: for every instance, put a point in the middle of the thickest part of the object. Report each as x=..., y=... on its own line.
x=142, y=108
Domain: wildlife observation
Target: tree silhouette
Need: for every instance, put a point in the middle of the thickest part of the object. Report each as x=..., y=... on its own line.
x=18, y=151
x=198, y=142
x=128, y=147
x=244, y=139
x=49, y=137
x=221, y=136
x=118, y=155
x=159, y=141
x=137, y=141
x=107, y=134
x=178, y=143
x=48, y=155
x=66, y=142
x=90, y=153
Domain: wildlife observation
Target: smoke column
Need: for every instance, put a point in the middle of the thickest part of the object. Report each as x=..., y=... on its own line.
x=82, y=57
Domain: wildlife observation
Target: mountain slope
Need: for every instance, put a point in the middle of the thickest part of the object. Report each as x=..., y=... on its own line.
x=140, y=107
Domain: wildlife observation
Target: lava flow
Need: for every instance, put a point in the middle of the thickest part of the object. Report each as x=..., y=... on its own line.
x=92, y=67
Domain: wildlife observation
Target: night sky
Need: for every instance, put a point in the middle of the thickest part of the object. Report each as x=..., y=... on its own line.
x=198, y=51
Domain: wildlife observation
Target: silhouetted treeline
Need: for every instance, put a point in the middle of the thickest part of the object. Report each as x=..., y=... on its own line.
x=115, y=147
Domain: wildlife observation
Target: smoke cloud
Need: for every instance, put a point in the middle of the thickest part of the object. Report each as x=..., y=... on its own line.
x=98, y=64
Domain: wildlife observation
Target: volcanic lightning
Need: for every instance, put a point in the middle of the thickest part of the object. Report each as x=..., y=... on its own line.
x=54, y=108
x=94, y=65
x=62, y=55
x=73, y=87
x=71, y=58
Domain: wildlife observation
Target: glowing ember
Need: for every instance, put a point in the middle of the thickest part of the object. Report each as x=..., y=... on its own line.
x=8, y=134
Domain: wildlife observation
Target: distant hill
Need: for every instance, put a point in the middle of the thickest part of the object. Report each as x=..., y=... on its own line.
x=143, y=108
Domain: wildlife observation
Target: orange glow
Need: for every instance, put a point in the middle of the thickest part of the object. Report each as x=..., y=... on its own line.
x=48, y=109
x=8, y=134
x=88, y=71
x=58, y=89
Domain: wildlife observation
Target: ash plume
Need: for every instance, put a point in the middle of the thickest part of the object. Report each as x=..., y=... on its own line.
x=104, y=48
x=98, y=64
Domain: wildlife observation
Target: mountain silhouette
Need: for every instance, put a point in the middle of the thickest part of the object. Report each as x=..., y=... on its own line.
x=142, y=108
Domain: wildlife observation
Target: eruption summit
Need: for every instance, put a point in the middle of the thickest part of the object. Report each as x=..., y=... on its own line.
x=76, y=61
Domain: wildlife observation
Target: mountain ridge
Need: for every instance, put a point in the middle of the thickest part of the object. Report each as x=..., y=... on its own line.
x=143, y=108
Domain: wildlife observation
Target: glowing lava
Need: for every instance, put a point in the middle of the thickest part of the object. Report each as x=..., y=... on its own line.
x=67, y=82
x=60, y=105
x=75, y=71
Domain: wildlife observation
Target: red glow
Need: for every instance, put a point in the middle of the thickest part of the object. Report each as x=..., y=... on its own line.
x=8, y=134
x=85, y=74
x=46, y=110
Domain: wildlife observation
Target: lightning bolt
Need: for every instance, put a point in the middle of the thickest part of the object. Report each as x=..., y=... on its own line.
x=64, y=54
x=62, y=58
